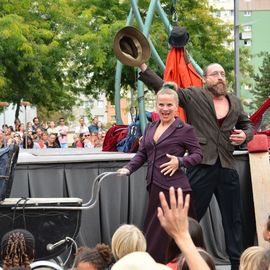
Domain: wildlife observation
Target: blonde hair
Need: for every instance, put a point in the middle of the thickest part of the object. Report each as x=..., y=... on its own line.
x=169, y=88
x=127, y=239
x=251, y=257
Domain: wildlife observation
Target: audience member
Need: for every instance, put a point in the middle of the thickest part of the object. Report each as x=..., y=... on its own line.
x=2, y=139
x=98, y=258
x=17, y=249
x=17, y=139
x=51, y=143
x=93, y=128
x=174, y=220
x=21, y=129
x=182, y=263
x=100, y=126
x=100, y=139
x=250, y=258
x=35, y=124
x=62, y=133
x=196, y=233
x=82, y=128
x=138, y=260
x=264, y=263
x=87, y=142
x=17, y=122
x=29, y=128
x=28, y=143
x=52, y=128
x=127, y=239
x=77, y=142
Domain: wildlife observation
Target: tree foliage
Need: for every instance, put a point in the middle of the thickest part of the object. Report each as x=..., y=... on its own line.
x=51, y=51
x=261, y=90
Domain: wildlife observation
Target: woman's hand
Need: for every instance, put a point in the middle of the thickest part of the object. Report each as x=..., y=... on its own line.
x=170, y=167
x=123, y=171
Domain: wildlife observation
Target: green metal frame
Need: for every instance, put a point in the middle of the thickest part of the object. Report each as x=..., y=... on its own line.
x=145, y=28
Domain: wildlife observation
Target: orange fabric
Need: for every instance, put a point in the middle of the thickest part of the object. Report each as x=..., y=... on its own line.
x=184, y=74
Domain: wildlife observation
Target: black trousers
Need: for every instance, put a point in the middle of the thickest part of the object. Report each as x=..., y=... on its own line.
x=206, y=180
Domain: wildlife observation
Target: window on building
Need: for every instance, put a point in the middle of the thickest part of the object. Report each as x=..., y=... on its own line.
x=247, y=86
x=247, y=42
x=88, y=104
x=247, y=13
x=217, y=13
x=247, y=28
x=100, y=103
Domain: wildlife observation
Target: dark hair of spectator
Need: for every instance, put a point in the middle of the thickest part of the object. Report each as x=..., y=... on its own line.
x=17, y=249
x=182, y=263
x=196, y=234
x=30, y=142
x=100, y=256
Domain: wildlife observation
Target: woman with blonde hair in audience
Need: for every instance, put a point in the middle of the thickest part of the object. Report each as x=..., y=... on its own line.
x=250, y=258
x=126, y=239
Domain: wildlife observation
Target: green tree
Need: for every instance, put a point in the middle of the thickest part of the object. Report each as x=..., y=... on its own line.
x=51, y=51
x=34, y=42
x=261, y=90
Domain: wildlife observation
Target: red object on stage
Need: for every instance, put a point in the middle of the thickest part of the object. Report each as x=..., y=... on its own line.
x=180, y=70
x=258, y=144
x=261, y=120
x=113, y=136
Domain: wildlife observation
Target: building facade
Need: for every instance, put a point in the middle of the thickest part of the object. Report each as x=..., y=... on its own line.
x=254, y=19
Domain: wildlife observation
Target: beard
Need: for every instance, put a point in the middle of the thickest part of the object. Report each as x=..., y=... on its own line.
x=218, y=89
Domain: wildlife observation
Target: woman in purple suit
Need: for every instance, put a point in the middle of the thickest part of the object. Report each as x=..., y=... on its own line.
x=163, y=147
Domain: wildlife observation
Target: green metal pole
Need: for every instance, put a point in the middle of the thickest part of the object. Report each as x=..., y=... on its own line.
x=117, y=82
x=138, y=17
x=168, y=27
x=145, y=29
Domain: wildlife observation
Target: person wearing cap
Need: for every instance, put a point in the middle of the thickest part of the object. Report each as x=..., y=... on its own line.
x=214, y=113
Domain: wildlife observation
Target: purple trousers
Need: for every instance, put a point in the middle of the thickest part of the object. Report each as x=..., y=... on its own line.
x=156, y=237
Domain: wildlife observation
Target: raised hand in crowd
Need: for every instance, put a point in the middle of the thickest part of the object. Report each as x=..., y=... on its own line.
x=174, y=220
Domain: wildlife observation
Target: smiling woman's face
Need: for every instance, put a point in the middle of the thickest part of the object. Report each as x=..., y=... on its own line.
x=86, y=266
x=166, y=107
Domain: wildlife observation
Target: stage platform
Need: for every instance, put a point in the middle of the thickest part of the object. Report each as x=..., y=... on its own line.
x=61, y=173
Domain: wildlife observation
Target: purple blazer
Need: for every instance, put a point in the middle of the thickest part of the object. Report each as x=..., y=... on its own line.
x=176, y=140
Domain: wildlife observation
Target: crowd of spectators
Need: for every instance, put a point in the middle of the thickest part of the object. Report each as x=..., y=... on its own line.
x=128, y=247
x=40, y=135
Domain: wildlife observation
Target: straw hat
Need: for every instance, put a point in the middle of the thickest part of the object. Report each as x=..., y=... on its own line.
x=138, y=261
x=131, y=47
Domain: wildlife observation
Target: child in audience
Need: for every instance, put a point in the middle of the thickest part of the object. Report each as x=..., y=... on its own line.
x=127, y=239
x=250, y=258
x=17, y=249
x=97, y=258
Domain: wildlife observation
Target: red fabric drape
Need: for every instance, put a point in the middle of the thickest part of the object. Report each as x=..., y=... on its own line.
x=181, y=72
x=255, y=117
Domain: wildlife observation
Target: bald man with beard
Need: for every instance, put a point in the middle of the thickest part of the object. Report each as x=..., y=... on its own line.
x=220, y=124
